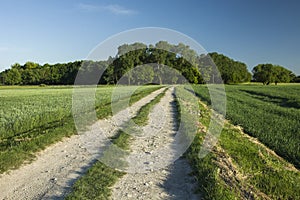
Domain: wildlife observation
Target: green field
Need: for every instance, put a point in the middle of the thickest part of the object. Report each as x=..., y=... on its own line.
x=270, y=114
x=34, y=117
x=239, y=166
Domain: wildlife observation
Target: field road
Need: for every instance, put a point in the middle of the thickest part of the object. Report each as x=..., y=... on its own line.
x=152, y=157
x=52, y=173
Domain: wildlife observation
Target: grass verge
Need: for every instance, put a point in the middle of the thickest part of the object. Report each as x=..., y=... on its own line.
x=203, y=169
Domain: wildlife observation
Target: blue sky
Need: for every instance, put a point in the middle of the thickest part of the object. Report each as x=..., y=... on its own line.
x=256, y=31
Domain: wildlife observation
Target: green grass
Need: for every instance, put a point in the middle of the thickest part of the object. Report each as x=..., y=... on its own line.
x=96, y=183
x=34, y=117
x=269, y=113
x=255, y=171
x=210, y=187
x=261, y=169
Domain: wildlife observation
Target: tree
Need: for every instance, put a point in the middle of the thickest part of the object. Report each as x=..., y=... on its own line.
x=268, y=73
x=282, y=75
x=296, y=79
x=143, y=74
x=16, y=66
x=231, y=71
x=184, y=51
x=122, y=67
x=159, y=55
x=12, y=77
x=31, y=65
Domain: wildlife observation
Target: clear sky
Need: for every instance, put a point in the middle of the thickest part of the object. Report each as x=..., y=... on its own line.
x=254, y=31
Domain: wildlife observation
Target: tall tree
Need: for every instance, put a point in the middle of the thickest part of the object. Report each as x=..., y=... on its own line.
x=143, y=74
x=12, y=77
x=231, y=71
x=268, y=73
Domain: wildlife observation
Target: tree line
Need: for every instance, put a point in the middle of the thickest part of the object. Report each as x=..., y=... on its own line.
x=162, y=63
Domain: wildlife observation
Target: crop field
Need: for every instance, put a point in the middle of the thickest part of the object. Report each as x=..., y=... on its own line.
x=33, y=117
x=241, y=166
x=270, y=114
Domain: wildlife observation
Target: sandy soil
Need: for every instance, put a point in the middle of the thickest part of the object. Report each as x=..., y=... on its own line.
x=56, y=168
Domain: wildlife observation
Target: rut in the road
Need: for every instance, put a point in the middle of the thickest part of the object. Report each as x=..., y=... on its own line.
x=54, y=171
x=152, y=174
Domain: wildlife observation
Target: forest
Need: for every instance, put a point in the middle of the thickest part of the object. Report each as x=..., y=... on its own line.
x=153, y=59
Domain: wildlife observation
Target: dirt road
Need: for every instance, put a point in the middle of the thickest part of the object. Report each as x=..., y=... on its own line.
x=153, y=174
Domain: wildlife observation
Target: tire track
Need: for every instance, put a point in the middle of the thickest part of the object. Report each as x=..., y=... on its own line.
x=153, y=174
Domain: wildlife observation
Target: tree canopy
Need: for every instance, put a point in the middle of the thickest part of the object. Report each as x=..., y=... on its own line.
x=231, y=71
x=162, y=63
x=269, y=73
